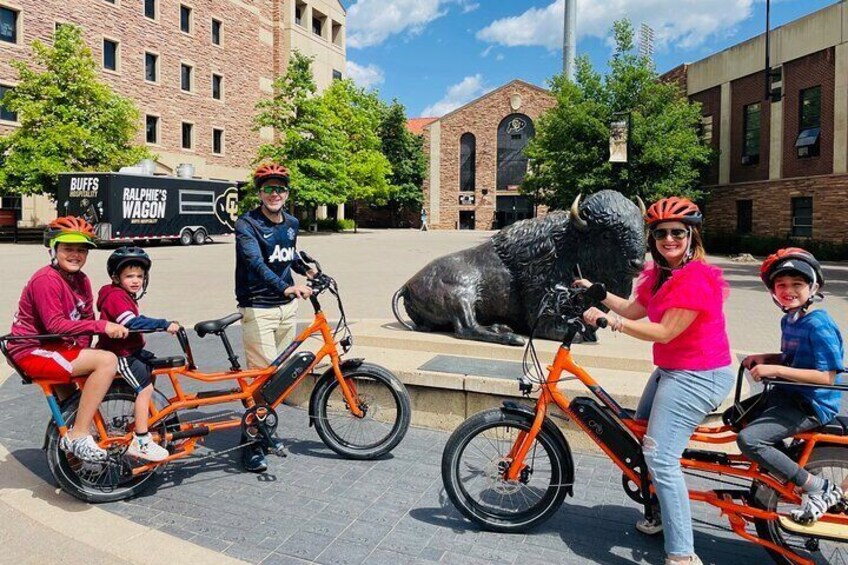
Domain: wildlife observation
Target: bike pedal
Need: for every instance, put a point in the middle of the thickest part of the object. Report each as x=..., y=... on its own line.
x=279, y=451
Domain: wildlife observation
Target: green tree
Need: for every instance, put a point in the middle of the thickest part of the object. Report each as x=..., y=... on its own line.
x=570, y=151
x=70, y=121
x=306, y=140
x=405, y=151
x=356, y=114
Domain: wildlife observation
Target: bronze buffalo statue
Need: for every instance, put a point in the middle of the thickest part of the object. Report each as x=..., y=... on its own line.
x=492, y=292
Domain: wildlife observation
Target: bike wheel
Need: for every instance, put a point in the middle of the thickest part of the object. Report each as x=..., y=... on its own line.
x=385, y=403
x=473, y=463
x=99, y=482
x=829, y=462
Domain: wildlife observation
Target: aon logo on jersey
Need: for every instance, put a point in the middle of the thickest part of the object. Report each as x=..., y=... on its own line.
x=281, y=254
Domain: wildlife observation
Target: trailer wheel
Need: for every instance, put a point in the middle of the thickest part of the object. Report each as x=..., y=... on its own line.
x=186, y=237
x=200, y=236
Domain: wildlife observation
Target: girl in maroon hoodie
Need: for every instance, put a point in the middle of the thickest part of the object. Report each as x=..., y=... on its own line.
x=58, y=300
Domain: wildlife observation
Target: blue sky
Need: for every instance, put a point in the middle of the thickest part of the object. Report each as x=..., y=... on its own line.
x=435, y=55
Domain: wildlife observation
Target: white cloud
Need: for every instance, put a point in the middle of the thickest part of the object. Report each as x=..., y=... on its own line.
x=676, y=23
x=370, y=22
x=367, y=76
x=465, y=91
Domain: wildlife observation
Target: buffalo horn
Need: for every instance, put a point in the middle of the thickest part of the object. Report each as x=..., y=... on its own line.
x=641, y=205
x=575, y=214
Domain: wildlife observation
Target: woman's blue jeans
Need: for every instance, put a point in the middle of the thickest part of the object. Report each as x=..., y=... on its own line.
x=675, y=402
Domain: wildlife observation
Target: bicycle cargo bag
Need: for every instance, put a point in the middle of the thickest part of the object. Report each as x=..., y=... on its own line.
x=286, y=375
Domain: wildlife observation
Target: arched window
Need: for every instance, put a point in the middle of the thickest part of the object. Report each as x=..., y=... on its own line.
x=514, y=132
x=467, y=161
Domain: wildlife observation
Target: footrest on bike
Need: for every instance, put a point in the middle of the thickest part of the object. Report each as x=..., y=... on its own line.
x=820, y=529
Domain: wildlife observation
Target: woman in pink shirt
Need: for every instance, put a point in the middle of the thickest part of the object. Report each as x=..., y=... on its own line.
x=683, y=298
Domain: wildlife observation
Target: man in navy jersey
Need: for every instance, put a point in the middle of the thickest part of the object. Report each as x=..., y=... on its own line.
x=266, y=255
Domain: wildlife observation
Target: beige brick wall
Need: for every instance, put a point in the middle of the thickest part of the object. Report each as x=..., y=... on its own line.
x=481, y=118
x=252, y=33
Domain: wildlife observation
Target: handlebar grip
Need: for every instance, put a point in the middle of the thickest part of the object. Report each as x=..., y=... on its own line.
x=602, y=323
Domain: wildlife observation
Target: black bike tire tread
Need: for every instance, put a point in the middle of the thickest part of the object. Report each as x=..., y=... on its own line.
x=404, y=413
x=463, y=434
x=68, y=486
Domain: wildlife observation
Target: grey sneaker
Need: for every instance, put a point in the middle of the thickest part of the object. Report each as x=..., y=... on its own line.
x=147, y=449
x=815, y=504
x=83, y=448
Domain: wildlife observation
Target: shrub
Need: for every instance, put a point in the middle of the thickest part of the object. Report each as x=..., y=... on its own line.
x=732, y=243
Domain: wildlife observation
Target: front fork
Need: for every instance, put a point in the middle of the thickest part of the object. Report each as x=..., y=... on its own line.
x=347, y=386
x=525, y=440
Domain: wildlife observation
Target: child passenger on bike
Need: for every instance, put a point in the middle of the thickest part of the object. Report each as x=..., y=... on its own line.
x=811, y=351
x=129, y=269
x=58, y=300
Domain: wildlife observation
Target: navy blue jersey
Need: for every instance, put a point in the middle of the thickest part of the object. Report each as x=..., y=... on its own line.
x=266, y=254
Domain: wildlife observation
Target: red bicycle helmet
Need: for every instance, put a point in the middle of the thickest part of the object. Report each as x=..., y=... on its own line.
x=674, y=209
x=269, y=171
x=69, y=229
x=791, y=259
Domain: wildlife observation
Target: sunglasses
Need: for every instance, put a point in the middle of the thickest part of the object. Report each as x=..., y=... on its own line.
x=676, y=233
x=274, y=189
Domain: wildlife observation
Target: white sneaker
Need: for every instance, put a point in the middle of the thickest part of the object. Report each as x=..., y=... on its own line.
x=147, y=449
x=83, y=448
x=691, y=560
x=650, y=527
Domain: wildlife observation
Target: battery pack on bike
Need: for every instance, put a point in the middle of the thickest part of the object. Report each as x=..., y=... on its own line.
x=601, y=423
x=286, y=376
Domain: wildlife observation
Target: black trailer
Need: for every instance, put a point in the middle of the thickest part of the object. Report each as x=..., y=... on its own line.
x=127, y=207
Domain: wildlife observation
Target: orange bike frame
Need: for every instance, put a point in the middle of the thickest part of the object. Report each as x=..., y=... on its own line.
x=738, y=514
x=249, y=382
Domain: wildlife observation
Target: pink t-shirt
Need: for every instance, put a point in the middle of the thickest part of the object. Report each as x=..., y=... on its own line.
x=696, y=286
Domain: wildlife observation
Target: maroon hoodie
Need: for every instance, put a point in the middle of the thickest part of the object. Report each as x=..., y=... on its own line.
x=54, y=302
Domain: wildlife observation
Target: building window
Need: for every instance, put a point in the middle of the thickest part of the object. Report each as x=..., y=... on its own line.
x=151, y=67
x=185, y=19
x=802, y=216
x=299, y=12
x=217, y=141
x=8, y=25
x=707, y=129
x=514, y=132
x=150, y=9
x=337, y=75
x=744, y=216
x=186, y=77
x=217, y=86
x=187, y=135
x=151, y=126
x=110, y=55
x=216, y=32
x=317, y=22
x=467, y=161
x=751, y=134
x=337, y=33
x=6, y=115
x=809, y=123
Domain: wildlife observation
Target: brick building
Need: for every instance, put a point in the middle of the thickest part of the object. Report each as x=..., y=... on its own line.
x=782, y=161
x=194, y=68
x=477, y=161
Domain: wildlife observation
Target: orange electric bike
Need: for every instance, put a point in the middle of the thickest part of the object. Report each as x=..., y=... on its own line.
x=360, y=410
x=509, y=469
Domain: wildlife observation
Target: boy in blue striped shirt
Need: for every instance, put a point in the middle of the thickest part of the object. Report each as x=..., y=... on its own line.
x=811, y=351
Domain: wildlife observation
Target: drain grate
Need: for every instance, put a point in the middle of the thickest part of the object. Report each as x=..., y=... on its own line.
x=473, y=366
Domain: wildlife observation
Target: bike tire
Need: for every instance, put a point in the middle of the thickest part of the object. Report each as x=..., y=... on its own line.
x=486, y=513
x=832, y=458
x=70, y=473
x=374, y=384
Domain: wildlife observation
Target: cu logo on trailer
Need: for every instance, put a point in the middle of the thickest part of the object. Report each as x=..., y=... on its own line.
x=226, y=207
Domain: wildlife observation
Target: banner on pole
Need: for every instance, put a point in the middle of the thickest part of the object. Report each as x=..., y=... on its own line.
x=618, y=142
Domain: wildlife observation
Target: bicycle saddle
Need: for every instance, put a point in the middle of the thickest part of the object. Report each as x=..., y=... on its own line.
x=838, y=427
x=215, y=326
